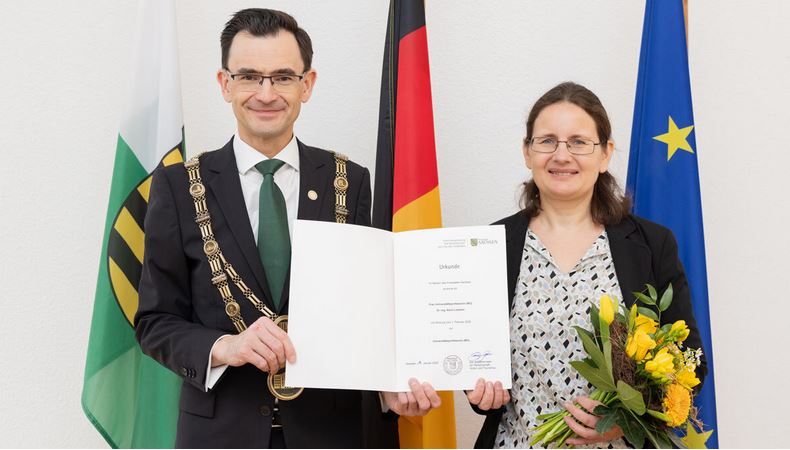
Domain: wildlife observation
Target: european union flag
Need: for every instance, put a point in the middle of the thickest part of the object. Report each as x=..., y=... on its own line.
x=663, y=174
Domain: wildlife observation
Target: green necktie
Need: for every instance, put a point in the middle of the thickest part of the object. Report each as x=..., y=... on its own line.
x=274, y=242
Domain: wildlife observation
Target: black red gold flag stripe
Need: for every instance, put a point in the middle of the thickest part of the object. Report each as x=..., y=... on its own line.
x=406, y=195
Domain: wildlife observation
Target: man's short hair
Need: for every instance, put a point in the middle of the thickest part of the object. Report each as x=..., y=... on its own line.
x=262, y=23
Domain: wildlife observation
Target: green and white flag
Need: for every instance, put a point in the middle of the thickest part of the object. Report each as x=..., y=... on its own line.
x=129, y=397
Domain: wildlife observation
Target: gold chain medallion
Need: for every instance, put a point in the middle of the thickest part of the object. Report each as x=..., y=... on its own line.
x=276, y=381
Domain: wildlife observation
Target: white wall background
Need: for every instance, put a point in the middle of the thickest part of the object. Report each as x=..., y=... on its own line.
x=64, y=80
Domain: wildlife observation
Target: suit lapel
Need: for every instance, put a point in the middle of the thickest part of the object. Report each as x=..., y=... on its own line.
x=226, y=186
x=314, y=175
x=516, y=233
x=631, y=257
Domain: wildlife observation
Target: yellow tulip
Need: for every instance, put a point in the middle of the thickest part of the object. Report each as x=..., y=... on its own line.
x=681, y=329
x=607, y=309
x=646, y=324
x=638, y=344
x=661, y=365
x=687, y=378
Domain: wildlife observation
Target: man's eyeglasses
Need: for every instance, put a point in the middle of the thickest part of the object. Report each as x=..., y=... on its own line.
x=576, y=146
x=253, y=82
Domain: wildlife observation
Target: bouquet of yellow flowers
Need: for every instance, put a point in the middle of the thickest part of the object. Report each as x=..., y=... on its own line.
x=643, y=377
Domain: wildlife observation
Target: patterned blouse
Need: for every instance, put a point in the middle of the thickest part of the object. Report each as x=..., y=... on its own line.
x=547, y=304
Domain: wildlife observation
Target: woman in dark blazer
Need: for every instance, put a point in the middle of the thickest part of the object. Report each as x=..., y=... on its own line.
x=573, y=242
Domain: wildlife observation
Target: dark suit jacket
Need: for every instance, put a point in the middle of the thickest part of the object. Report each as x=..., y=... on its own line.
x=642, y=252
x=181, y=313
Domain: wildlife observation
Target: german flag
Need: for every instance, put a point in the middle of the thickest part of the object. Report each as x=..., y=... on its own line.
x=406, y=195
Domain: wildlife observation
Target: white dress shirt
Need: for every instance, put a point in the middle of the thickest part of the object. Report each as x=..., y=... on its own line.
x=286, y=178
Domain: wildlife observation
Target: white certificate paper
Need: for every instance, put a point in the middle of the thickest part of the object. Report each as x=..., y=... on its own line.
x=369, y=309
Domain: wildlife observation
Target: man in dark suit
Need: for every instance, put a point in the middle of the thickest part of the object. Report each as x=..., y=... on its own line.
x=252, y=190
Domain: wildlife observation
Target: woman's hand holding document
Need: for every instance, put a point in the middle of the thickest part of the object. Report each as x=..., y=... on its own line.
x=370, y=309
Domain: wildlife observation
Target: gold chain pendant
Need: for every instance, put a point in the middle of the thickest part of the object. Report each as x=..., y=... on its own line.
x=276, y=381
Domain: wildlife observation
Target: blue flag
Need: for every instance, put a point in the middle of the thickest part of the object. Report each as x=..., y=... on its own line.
x=663, y=175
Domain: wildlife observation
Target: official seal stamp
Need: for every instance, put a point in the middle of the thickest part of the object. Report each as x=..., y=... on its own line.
x=452, y=365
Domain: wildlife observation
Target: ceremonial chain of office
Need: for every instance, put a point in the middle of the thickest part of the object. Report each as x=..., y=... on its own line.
x=216, y=260
x=341, y=185
x=221, y=269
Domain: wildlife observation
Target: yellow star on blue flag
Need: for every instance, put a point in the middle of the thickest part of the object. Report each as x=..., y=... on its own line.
x=675, y=138
x=692, y=439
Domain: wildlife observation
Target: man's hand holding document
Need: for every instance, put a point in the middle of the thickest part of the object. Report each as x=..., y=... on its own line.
x=370, y=309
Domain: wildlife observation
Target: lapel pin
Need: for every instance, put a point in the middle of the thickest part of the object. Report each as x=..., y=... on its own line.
x=312, y=195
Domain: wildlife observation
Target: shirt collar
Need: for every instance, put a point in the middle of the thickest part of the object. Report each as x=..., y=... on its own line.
x=247, y=157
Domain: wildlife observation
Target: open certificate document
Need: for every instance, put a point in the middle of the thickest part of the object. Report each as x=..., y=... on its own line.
x=369, y=309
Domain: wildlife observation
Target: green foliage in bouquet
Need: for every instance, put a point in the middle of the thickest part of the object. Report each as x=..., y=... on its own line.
x=642, y=376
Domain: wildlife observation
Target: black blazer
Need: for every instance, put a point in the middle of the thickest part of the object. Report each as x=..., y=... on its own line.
x=181, y=313
x=642, y=252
